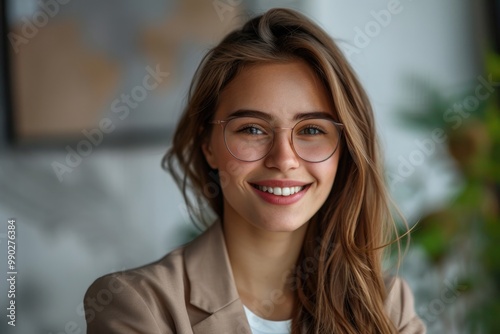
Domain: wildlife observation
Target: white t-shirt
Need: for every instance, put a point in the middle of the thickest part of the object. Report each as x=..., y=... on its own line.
x=259, y=325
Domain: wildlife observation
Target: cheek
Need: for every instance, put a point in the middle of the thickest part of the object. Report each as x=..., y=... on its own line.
x=231, y=171
x=220, y=154
x=325, y=173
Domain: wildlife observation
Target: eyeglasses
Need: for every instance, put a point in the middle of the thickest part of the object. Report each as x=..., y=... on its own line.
x=251, y=138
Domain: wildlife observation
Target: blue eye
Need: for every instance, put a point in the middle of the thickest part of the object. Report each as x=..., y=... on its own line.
x=251, y=130
x=311, y=130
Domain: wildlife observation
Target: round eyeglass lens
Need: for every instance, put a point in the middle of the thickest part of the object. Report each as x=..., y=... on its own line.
x=248, y=138
x=315, y=140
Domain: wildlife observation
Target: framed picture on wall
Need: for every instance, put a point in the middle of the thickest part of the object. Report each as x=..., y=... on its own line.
x=113, y=72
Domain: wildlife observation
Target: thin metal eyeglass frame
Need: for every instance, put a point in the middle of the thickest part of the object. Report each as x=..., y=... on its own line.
x=223, y=123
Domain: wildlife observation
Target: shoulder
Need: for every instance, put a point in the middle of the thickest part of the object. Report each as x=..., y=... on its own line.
x=167, y=269
x=128, y=301
x=399, y=305
x=158, y=297
x=166, y=296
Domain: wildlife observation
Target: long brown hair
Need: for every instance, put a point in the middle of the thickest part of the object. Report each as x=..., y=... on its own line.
x=345, y=291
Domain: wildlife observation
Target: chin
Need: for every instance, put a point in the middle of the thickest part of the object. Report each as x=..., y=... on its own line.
x=280, y=225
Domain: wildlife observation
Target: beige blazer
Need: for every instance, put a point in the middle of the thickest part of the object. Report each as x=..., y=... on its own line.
x=192, y=291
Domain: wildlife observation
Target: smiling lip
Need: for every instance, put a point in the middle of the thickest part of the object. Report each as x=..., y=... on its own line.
x=280, y=183
x=279, y=199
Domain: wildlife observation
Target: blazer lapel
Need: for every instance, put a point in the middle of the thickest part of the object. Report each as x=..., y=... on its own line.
x=212, y=284
x=229, y=320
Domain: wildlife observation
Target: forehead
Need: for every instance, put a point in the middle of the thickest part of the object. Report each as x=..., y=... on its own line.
x=281, y=90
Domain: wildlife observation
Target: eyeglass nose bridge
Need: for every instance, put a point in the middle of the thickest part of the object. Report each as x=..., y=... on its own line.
x=273, y=141
x=280, y=128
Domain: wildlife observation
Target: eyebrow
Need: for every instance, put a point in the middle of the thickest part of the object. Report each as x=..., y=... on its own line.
x=268, y=117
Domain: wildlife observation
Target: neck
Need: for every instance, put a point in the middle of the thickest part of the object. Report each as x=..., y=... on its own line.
x=262, y=264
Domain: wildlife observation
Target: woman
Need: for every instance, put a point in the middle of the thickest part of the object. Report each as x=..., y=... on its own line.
x=278, y=138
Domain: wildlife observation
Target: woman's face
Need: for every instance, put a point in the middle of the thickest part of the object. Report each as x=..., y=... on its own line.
x=285, y=92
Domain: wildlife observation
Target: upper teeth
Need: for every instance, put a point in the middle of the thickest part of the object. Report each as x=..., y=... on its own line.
x=285, y=191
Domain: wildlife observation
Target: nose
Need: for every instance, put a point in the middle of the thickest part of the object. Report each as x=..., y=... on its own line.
x=282, y=156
